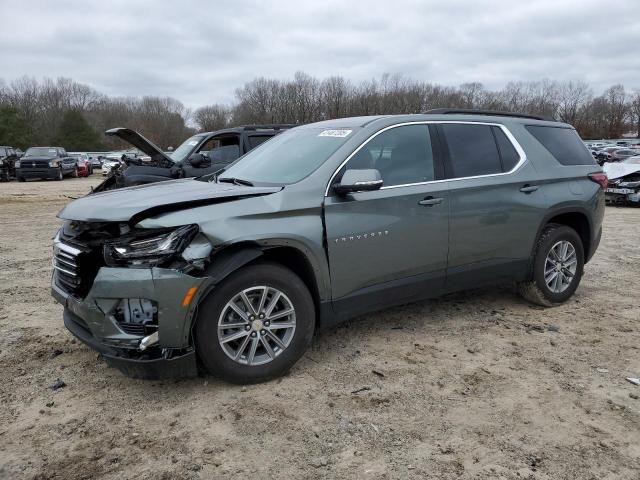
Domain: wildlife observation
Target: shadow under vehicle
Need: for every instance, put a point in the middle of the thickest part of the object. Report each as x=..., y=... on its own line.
x=201, y=154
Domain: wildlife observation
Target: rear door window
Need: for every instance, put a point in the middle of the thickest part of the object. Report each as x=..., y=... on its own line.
x=563, y=143
x=472, y=150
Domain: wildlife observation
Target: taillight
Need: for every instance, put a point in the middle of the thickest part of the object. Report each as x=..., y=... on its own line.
x=600, y=178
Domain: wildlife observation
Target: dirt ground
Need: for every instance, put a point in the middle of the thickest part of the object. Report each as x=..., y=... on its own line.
x=474, y=385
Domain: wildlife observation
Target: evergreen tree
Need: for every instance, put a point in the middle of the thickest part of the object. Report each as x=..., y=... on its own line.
x=75, y=133
x=14, y=130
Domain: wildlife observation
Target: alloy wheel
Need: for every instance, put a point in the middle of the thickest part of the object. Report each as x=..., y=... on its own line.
x=560, y=266
x=256, y=325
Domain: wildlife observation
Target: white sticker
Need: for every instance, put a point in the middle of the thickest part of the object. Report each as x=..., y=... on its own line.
x=193, y=142
x=335, y=133
x=52, y=150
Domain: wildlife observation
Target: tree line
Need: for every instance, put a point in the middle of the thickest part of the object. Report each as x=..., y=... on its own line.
x=73, y=115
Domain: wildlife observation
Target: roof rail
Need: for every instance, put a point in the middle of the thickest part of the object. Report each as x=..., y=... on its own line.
x=274, y=126
x=472, y=111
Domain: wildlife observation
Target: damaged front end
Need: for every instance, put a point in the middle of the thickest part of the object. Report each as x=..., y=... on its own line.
x=624, y=184
x=130, y=293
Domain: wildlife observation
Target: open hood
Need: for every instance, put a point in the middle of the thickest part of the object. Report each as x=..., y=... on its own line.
x=142, y=144
x=135, y=203
x=618, y=170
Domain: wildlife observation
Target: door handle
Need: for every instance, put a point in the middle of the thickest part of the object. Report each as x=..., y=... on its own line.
x=430, y=201
x=529, y=188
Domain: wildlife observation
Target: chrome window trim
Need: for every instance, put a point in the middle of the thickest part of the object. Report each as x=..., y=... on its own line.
x=510, y=137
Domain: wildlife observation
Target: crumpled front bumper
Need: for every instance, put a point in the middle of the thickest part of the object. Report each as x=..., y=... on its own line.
x=92, y=321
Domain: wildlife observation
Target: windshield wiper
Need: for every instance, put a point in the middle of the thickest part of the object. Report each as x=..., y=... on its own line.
x=236, y=181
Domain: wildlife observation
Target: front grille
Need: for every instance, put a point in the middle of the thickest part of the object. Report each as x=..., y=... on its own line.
x=133, y=328
x=75, y=267
x=65, y=264
x=34, y=164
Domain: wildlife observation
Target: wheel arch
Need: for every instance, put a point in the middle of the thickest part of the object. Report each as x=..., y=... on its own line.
x=238, y=255
x=575, y=217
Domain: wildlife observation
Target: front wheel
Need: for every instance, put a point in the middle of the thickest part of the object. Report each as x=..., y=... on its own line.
x=255, y=325
x=60, y=175
x=75, y=173
x=557, y=267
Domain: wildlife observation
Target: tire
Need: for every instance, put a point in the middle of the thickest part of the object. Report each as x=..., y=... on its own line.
x=75, y=173
x=537, y=290
x=60, y=175
x=22, y=179
x=216, y=359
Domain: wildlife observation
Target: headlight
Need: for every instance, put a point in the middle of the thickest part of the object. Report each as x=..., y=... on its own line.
x=149, y=247
x=1, y=162
x=17, y=164
x=53, y=163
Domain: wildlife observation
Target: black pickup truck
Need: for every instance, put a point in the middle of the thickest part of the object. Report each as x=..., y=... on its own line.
x=202, y=154
x=46, y=162
x=8, y=157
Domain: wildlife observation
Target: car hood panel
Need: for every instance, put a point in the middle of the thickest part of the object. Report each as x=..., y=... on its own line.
x=618, y=170
x=141, y=143
x=135, y=203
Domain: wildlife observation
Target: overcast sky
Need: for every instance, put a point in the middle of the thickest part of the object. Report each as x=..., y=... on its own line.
x=199, y=52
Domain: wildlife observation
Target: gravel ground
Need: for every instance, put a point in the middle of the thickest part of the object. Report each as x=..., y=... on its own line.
x=474, y=385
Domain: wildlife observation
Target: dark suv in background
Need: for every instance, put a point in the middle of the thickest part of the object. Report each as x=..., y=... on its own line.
x=202, y=154
x=322, y=223
x=46, y=163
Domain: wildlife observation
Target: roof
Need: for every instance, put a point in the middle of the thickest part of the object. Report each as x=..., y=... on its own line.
x=458, y=115
x=248, y=128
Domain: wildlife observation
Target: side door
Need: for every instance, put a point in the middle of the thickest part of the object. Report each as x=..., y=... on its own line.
x=389, y=246
x=219, y=152
x=495, y=203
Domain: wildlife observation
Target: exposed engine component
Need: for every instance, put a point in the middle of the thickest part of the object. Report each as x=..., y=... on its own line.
x=137, y=316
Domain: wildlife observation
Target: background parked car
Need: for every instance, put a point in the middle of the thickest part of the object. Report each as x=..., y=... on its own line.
x=621, y=154
x=109, y=162
x=8, y=158
x=202, y=154
x=46, y=162
x=85, y=168
x=604, y=154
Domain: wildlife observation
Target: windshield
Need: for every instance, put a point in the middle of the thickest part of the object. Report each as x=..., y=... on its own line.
x=288, y=157
x=41, y=152
x=180, y=153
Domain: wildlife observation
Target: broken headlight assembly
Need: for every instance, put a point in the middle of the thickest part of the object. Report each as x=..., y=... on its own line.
x=149, y=247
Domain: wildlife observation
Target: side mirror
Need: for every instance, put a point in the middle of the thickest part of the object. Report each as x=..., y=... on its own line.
x=197, y=160
x=359, y=181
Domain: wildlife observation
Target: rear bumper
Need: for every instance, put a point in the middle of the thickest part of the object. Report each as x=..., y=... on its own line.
x=51, y=172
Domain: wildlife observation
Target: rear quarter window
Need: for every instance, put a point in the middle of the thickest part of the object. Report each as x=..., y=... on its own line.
x=255, y=140
x=563, y=143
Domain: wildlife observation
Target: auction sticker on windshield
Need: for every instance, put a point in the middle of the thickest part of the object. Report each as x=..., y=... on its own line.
x=334, y=133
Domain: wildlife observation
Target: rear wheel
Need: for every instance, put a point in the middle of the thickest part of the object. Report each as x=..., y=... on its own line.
x=255, y=325
x=557, y=267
